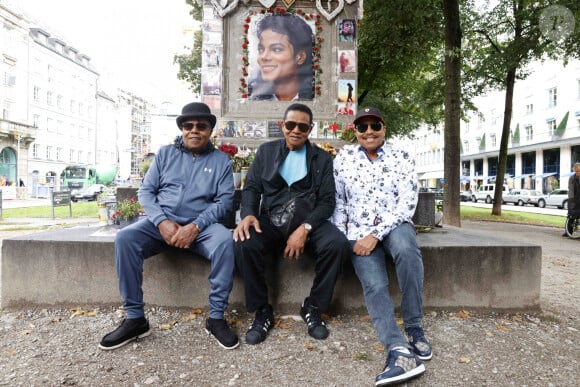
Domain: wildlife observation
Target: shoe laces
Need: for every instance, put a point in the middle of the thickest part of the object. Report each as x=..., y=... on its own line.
x=312, y=316
x=262, y=320
x=416, y=333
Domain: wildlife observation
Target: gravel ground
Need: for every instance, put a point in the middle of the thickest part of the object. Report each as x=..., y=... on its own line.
x=58, y=346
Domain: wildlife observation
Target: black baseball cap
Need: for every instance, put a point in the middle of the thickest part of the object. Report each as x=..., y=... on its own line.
x=368, y=112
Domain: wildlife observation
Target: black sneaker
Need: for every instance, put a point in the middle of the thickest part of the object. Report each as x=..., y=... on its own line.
x=263, y=322
x=421, y=346
x=129, y=330
x=400, y=366
x=311, y=316
x=220, y=329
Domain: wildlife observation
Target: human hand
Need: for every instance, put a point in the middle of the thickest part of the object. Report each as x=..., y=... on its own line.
x=295, y=244
x=365, y=246
x=184, y=236
x=167, y=229
x=242, y=230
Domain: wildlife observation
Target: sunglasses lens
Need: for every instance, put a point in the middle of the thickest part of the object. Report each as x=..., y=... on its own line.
x=376, y=126
x=290, y=125
x=198, y=125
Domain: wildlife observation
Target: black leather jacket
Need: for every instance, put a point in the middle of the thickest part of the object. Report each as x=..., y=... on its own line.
x=265, y=188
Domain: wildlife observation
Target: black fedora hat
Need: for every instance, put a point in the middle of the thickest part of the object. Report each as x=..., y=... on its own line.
x=196, y=110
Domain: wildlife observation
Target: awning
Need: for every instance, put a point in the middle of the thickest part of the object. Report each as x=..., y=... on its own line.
x=543, y=175
x=523, y=176
x=432, y=175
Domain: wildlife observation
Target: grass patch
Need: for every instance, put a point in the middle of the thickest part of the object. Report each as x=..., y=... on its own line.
x=484, y=214
x=79, y=210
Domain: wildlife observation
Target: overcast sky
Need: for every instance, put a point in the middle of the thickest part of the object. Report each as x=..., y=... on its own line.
x=130, y=41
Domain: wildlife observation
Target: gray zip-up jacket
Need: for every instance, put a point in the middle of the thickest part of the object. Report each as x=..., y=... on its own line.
x=188, y=188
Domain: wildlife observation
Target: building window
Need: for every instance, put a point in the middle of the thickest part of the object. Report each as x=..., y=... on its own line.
x=71, y=155
x=36, y=93
x=465, y=146
x=529, y=109
x=80, y=156
x=49, y=98
x=553, y=97
x=59, y=127
x=35, y=151
x=35, y=120
x=49, y=125
x=493, y=140
x=59, y=101
x=73, y=130
x=59, y=153
x=552, y=127
x=72, y=105
x=529, y=132
x=49, y=152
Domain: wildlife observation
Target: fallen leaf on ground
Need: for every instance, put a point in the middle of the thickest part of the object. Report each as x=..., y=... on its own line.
x=464, y=360
x=501, y=328
x=366, y=318
x=517, y=319
x=309, y=346
x=463, y=314
x=379, y=347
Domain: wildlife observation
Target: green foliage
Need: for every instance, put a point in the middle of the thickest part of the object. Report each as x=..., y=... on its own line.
x=482, y=143
x=145, y=165
x=190, y=64
x=482, y=214
x=400, y=62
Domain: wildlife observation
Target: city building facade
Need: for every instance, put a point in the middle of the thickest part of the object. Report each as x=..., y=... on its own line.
x=544, y=140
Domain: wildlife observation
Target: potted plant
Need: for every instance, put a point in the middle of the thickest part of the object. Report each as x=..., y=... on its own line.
x=127, y=211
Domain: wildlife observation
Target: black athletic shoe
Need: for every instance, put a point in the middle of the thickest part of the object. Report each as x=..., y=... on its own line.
x=263, y=322
x=220, y=329
x=311, y=316
x=129, y=330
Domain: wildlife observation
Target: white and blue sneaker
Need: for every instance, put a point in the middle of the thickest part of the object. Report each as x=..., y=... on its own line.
x=421, y=346
x=401, y=365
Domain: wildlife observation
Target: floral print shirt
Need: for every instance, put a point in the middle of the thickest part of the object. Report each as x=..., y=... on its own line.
x=374, y=196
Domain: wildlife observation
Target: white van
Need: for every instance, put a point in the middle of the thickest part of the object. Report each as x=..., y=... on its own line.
x=486, y=192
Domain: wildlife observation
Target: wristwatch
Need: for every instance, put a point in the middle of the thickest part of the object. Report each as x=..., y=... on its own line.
x=307, y=227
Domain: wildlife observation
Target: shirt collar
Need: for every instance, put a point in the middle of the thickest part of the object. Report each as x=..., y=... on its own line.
x=380, y=151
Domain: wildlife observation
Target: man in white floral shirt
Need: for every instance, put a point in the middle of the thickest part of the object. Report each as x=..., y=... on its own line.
x=376, y=197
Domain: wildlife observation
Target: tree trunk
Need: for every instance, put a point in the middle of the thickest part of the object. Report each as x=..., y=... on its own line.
x=452, y=138
x=505, y=134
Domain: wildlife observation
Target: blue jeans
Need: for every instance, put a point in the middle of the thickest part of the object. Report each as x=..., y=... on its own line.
x=141, y=240
x=401, y=245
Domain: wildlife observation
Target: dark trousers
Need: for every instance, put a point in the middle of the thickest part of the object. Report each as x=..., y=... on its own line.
x=326, y=244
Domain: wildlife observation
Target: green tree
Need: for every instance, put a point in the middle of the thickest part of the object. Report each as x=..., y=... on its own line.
x=190, y=64
x=502, y=40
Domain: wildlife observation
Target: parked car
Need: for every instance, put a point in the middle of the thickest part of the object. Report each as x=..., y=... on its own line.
x=88, y=193
x=486, y=193
x=521, y=197
x=464, y=196
x=558, y=198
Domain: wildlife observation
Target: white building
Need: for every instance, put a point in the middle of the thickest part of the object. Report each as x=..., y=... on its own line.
x=544, y=140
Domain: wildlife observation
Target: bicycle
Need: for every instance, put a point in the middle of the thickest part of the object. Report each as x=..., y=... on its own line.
x=573, y=226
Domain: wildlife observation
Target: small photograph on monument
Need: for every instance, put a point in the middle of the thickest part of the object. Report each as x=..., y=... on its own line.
x=255, y=129
x=346, y=61
x=346, y=30
x=346, y=90
x=280, y=55
x=275, y=129
x=212, y=82
x=346, y=109
x=228, y=129
x=212, y=56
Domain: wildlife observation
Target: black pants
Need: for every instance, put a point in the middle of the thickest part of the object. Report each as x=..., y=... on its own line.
x=325, y=243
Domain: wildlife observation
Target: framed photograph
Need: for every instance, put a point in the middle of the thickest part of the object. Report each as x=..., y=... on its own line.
x=346, y=61
x=255, y=129
x=346, y=30
x=347, y=90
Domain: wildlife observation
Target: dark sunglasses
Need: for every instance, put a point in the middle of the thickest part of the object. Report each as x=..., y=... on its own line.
x=290, y=125
x=376, y=126
x=198, y=125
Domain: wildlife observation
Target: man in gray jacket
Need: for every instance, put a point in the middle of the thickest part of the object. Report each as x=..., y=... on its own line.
x=188, y=189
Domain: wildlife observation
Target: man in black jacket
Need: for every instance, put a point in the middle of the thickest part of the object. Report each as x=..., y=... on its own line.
x=281, y=170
